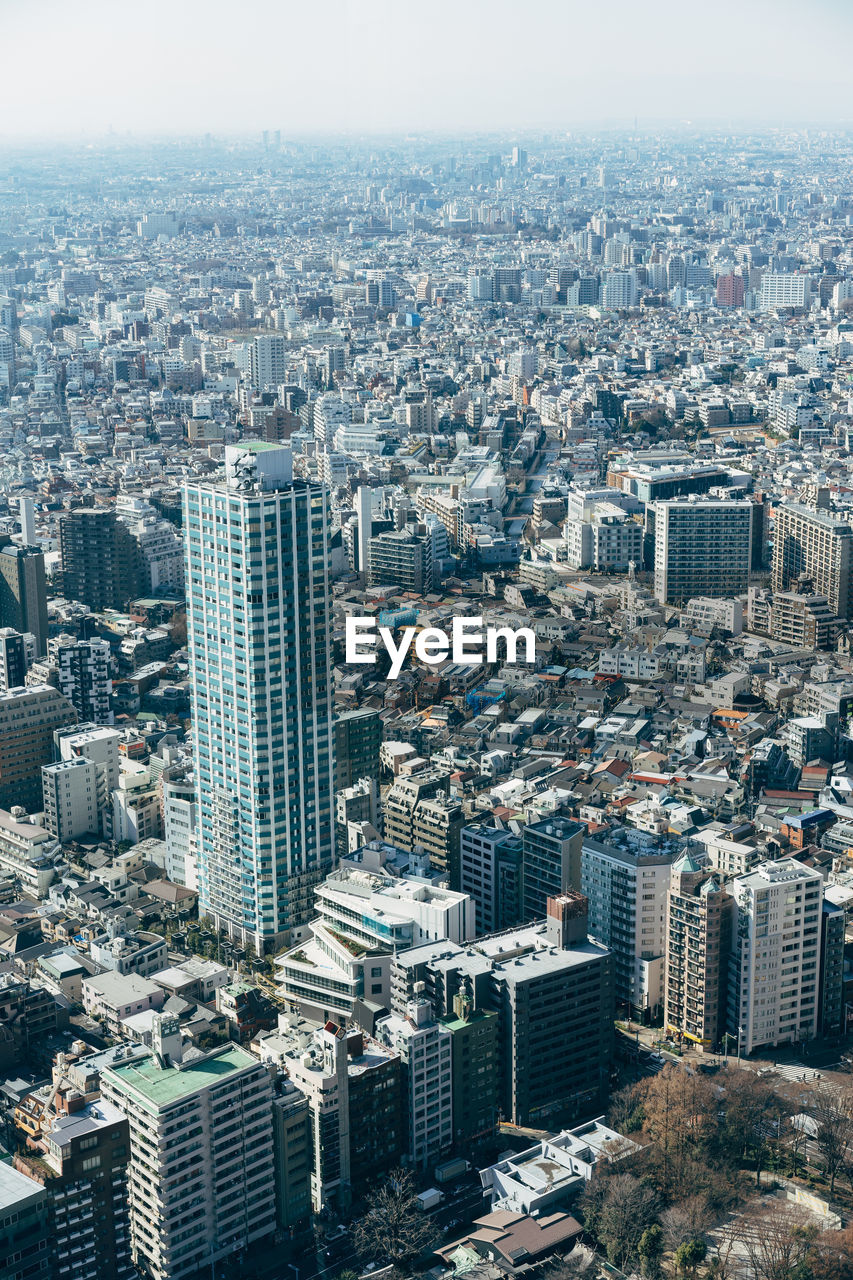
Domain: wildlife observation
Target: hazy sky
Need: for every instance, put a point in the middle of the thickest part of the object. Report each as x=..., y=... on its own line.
x=188, y=66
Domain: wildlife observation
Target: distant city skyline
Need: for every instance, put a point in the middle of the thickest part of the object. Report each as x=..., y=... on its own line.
x=374, y=66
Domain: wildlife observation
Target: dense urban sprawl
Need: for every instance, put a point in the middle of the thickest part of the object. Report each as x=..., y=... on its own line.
x=501, y=960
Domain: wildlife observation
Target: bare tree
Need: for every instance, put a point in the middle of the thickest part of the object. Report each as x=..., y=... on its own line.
x=832, y=1109
x=580, y=1262
x=628, y=1209
x=725, y=1260
x=393, y=1230
x=778, y=1239
x=690, y=1219
x=754, y=1114
x=831, y=1256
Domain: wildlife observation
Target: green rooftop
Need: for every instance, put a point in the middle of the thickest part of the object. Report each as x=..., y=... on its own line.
x=159, y=1087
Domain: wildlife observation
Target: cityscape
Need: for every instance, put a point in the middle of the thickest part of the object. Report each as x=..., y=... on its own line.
x=426, y=698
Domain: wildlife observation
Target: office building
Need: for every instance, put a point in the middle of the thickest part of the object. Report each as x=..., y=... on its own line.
x=28, y=719
x=698, y=940
x=817, y=543
x=201, y=1152
x=85, y=677
x=774, y=964
x=258, y=628
x=23, y=593
x=551, y=863
x=627, y=885
x=81, y=1160
x=358, y=737
x=99, y=559
x=702, y=547
x=490, y=862
x=26, y=1231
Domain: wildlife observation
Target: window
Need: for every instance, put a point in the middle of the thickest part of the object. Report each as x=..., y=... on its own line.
x=94, y=1162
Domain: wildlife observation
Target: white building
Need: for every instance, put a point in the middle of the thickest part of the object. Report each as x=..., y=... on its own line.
x=27, y=852
x=364, y=916
x=330, y=413
x=85, y=676
x=201, y=1152
x=602, y=537
x=619, y=290
x=179, y=824
x=784, y=290
x=268, y=361
x=264, y=764
x=99, y=745
x=424, y=1046
x=554, y=1171
x=776, y=956
x=70, y=790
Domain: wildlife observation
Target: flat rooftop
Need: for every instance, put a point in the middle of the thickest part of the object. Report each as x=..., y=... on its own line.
x=159, y=1087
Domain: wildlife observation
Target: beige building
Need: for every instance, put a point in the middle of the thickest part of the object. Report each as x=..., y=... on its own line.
x=817, y=543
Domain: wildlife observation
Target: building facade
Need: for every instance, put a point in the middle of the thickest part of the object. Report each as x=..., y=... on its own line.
x=703, y=547
x=258, y=634
x=201, y=1153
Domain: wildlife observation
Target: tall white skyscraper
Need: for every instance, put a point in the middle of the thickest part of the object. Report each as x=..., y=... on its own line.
x=258, y=633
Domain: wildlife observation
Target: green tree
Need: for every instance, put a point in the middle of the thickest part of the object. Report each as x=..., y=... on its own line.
x=650, y=1250
x=689, y=1256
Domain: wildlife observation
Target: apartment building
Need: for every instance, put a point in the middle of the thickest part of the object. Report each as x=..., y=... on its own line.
x=352, y=1085
x=424, y=1047
x=551, y=863
x=627, y=886
x=365, y=915
x=70, y=796
x=490, y=862
x=28, y=718
x=699, y=926
x=201, y=1152
x=702, y=547
x=815, y=542
x=26, y=1232
x=81, y=1160
x=774, y=964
